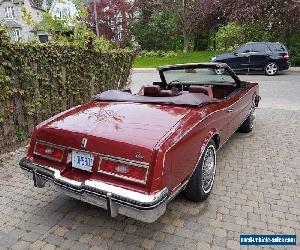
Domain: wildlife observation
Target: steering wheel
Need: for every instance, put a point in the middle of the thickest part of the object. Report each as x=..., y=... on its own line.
x=169, y=85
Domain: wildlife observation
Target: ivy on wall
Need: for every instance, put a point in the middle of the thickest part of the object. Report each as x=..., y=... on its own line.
x=40, y=80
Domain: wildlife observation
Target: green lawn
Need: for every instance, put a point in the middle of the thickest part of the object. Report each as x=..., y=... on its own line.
x=191, y=57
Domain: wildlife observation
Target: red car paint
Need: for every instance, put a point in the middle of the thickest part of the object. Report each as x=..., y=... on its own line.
x=169, y=138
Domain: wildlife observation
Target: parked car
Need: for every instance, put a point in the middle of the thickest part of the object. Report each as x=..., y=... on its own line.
x=133, y=153
x=259, y=56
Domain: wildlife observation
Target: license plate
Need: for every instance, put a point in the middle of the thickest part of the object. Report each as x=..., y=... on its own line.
x=83, y=161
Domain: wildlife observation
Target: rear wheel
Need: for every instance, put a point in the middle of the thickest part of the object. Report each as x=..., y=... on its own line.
x=271, y=69
x=248, y=125
x=202, y=180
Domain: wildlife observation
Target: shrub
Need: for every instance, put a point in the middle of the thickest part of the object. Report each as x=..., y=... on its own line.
x=232, y=35
x=295, y=60
x=169, y=54
x=40, y=80
x=157, y=32
x=157, y=53
x=293, y=43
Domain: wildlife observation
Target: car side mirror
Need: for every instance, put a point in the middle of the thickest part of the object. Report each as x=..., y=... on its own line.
x=235, y=53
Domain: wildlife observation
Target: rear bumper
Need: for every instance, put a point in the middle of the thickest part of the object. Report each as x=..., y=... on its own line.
x=284, y=65
x=117, y=200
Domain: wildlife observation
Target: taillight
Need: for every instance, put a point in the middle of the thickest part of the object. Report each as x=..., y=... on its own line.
x=49, y=151
x=129, y=172
x=286, y=57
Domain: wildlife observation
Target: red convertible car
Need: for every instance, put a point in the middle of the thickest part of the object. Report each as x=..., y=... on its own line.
x=132, y=153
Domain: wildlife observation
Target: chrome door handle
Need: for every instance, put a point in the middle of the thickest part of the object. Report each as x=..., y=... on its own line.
x=230, y=110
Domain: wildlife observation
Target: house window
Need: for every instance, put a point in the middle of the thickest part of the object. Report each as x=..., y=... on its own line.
x=63, y=13
x=119, y=36
x=15, y=35
x=43, y=38
x=9, y=12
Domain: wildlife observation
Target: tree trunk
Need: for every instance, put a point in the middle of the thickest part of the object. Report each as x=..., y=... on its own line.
x=197, y=43
x=186, y=41
x=96, y=19
x=215, y=42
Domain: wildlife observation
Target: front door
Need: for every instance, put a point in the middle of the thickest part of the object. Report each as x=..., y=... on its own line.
x=239, y=109
x=242, y=58
x=259, y=56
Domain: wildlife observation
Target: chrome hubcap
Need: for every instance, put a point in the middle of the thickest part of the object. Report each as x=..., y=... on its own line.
x=252, y=118
x=219, y=71
x=208, y=169
x=271, y=69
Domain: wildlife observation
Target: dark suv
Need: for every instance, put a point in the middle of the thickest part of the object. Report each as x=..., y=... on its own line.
x=257, y=56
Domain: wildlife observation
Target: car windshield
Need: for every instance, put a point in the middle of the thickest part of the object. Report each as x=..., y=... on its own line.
x=198, y=76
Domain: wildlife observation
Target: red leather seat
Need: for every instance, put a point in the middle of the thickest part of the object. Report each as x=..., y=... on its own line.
x=152, y=90
x=207, y=90
x=166, y=93
x=155, y=91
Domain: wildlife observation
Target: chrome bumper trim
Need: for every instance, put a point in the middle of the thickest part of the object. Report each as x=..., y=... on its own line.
x=103, y=156
x=116, y=200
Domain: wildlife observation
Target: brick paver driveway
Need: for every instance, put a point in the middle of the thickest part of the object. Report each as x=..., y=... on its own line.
x=257, y=190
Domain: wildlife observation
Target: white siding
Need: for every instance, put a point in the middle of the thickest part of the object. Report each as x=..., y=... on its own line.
x=64, y=9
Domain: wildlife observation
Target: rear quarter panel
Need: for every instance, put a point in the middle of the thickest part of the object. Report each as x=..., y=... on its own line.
x=178, y=155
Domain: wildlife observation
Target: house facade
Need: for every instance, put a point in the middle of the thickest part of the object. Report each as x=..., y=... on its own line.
x=111, y=22
x=11, y=16
x=110, y=19
x=65, y=9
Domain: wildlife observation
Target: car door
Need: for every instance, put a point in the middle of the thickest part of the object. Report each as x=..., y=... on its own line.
x=240, y=105
x=242, y=58
x=222, y=120
x=259, y=56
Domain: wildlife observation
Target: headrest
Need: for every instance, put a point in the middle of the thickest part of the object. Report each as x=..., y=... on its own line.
x=172, y=92
x=207, y=90
x=127, y=90
x=152, y=90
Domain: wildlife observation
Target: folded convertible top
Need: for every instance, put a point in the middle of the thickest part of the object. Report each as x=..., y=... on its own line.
x=184, y=98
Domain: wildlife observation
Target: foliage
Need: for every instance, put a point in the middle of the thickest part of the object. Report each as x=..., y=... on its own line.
x=40, y=80
x=274, y=16
x=180, y=57
x=195, y=17
x=157, y=53
x=233, y=35
x=273, y=19
x=73, y=32
x=111, y=17
x=48, y=23
x=4, y=37
x=102, y=44
x=185, y=13
x=156, y=33
x=293, y=43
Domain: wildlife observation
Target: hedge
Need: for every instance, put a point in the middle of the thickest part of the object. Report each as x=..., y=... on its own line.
x=38, y=81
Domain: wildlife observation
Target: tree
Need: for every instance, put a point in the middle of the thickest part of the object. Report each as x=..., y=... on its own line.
x=206, y=21
x=158, y=32
x=111, y=17
x=153, y=26
x=78, y=34
x=234, y=34
x=198, y=18
x=195, y=16
x=186, y=12
x=279, y=17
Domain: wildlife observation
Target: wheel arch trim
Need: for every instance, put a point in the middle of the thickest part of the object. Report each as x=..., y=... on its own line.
x=211, y=134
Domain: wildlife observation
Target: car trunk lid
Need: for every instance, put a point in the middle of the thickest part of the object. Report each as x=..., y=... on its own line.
x=118, y=129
